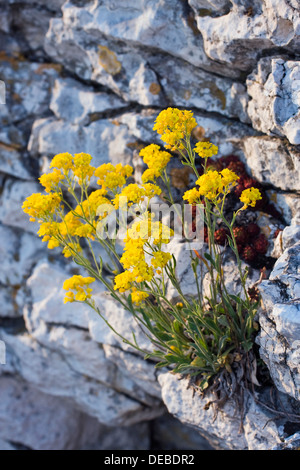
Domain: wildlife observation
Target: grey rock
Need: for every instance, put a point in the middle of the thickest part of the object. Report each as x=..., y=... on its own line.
x=190, y=87
x=78, y=104
x=288, y=204
x=273, y=162
x=63, y=330
x=291, y=443
x=221, y=428
x=26, y=417
x=279, y=336
x=49, y=372
x=105, y=140
x=121, y=320
x=275, y=105
x=19, y=254
x=239, y=36
x=167, y=32
x=289, y=236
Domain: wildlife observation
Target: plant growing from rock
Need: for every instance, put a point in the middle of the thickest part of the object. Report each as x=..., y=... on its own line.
x=210, y=338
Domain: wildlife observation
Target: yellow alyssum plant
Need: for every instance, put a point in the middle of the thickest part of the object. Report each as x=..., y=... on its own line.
x=202, y=337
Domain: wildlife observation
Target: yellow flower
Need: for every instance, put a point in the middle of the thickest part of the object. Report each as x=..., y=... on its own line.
x=229, y=177
x=69, y=224
x=206, y=149
x=52, y=244
x=174, y=125
x=138, y=297
x=95, y=200
x=210, y=184
x=80, y=285
x=50, y=181
x=124, y=281
x=112, y=177
x=135, y=194
x=151, y=190
x=192, y=196
x=250, y=196
x=86, y=231
x=143, y=272
x=49, y=231
x=160, y=259
x=161, y=233
x=133, y=252
x=71, y=249
x=62, y=161
x=156, y=160
x=82, y=168
x=41, y=206
x=151, y=174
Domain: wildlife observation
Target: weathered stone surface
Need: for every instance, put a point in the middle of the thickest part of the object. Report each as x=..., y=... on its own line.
x=103, y=139
x=239, y=36
x=78, y=104
x=221, y=428
x=95, y=82
x=18, y=254
x=212, y=7
x=278, y=164
x=279, y=337
x=50, y=372
x=289, y=236
x=288, y=204
x=170, y=434
x=292, y=443
x=275, y=105
x=26, y=418
x=149, y=24
x=121, y=320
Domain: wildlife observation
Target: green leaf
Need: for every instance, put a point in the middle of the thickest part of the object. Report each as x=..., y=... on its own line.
x=210, y=259
x=171, y=358
x=223, y=321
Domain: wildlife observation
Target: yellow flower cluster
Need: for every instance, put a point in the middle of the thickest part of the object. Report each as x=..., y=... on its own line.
x=70, y=249
x=62, y=161
x=211, y=185
x=156, y=160
x=174, y=125
x=82, y=167
x=80, y=285
x=135, y=194
x=138, y=297
x=41, y=206
x=111, y=177
x=50, y=181
x=250, y=196
x=192, y=196
x=160, y=259
x=133, y=259
x=206, y=149
x=50, y=233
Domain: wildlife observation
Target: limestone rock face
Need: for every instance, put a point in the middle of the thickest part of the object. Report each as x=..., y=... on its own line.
x=275, y=104
x=278, y=164
x=260, y=426
x=280, y=330
x=92, y=76
x=238, y=36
